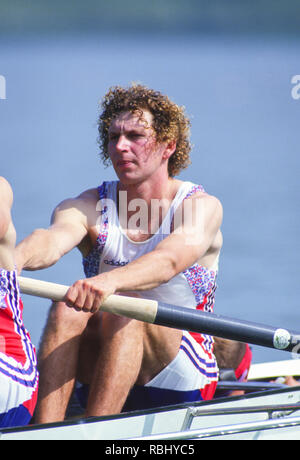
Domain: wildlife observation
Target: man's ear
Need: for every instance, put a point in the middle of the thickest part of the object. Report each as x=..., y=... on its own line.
x=170, y=149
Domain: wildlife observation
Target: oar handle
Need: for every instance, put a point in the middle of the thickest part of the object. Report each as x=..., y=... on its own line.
x=132, y=307
x=43, y=289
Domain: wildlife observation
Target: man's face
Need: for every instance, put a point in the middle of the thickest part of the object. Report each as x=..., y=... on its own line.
x=132, y=147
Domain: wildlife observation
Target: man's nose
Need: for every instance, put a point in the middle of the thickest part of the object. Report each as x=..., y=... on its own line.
x=122, y=143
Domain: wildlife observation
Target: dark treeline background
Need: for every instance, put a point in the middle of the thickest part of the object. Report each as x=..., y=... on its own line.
x=170, y=16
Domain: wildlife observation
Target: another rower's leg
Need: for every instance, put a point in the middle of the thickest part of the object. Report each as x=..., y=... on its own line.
x=57, y=361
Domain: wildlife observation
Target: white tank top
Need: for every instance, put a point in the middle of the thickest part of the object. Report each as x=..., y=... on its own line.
x=194, y=287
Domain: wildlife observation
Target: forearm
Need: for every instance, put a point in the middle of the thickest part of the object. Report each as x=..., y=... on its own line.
x=39, y=250
x=147, y=272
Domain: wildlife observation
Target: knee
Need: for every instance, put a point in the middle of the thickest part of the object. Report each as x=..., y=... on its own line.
x=114, y=325
x=66, y=320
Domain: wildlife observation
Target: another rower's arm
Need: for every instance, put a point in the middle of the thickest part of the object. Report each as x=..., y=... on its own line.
x=44, y=247
x=6, y=195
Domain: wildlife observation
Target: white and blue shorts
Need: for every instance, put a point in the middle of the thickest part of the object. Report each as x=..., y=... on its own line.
x=191, y=376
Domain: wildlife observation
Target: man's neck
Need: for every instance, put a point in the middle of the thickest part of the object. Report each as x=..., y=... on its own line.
x=156, y=188
x=160, y=194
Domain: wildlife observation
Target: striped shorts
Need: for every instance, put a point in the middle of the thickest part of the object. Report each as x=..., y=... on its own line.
x=191, y=376
x=18, y=366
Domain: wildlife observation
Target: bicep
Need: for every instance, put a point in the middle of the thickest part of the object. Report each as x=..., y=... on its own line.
x=196, y=224
x=198, y=220
x=68, y=226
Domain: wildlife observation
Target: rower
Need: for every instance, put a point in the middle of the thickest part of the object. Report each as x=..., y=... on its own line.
x=146, y=234
x=234, y=361
x=18, y=370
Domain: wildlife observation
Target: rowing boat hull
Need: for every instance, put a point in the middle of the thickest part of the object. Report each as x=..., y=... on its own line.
x=249, y=416
x=215, y=419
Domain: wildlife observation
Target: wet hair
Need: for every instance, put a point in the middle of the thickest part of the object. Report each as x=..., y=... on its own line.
x=169, y=121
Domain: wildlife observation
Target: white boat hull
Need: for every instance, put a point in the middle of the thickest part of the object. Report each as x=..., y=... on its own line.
x=243, y=417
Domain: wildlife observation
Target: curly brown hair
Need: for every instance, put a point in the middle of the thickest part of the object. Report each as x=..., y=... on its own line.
x=169, y=121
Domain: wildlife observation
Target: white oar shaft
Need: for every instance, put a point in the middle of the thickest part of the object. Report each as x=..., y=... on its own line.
x=42, y=289
x=132, y=307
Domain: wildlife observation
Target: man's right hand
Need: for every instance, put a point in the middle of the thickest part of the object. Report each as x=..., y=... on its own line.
x=89, y=294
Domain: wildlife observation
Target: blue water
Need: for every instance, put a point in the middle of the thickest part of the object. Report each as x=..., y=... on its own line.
x=245, y=131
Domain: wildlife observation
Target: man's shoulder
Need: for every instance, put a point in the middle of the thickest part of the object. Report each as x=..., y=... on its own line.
x=212, y=206
x=5, y=185
x=4, y=181
x=6, y=192
x=198, y=193
x=78, y=207
x=86, y=197
x=90, y=195
x=212, y=200
x=5, y=208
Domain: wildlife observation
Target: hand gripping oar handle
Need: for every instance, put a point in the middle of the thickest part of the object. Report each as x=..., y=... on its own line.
x=189, y=319
x=132, y=307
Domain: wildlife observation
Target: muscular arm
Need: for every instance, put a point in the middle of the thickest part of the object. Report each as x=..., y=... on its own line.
x=6, y=195
x=44, y=247
x=189, y=242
